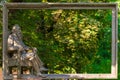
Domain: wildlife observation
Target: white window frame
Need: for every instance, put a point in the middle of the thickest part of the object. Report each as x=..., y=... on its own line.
x=112, y=6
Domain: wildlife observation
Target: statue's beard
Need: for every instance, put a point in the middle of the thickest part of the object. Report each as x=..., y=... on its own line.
x=19, y=36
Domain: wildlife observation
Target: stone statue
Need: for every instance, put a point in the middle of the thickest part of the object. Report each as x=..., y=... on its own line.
x=15, y=43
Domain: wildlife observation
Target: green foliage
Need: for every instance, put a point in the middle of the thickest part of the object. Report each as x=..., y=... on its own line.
x=71, y=40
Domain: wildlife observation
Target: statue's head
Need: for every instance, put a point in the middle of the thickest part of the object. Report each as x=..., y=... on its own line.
x=16, y=28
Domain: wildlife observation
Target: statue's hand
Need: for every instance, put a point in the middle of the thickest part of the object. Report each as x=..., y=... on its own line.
x=21, y=49
x=26, y=48
x=13, y=48
x=16, y=48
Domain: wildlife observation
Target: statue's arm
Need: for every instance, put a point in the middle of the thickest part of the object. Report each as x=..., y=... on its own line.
x=11, y=46
x=24, y=46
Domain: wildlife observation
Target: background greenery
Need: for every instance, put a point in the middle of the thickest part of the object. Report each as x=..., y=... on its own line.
x=68, y=41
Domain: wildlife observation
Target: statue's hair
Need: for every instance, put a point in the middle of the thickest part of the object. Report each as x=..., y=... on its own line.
x=15, y=27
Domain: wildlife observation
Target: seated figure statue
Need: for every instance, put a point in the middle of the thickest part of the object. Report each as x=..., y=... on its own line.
x=15, y=43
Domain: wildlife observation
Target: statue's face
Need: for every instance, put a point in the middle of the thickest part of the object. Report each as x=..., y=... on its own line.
x=16, y=28
x=17, y=31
